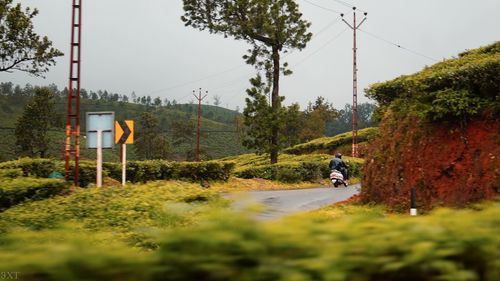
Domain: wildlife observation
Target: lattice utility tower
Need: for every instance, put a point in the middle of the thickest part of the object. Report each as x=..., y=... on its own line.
x=72, y=150
x=354, y=27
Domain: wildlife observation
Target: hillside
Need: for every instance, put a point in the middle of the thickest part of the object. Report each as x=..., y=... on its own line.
x=219, y=137
x=439, y=132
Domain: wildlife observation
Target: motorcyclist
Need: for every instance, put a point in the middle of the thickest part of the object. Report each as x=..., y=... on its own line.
x=338, y=164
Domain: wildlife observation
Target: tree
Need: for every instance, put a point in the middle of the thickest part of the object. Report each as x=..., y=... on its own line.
x=259, y=120
x=217, y=101
x=315, y=119
x=20, y=47
x=151, y=144
x=270, y=26
x=32, y=127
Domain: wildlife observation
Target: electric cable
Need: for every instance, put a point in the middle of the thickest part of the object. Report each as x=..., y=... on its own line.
x=321, y=7
x=398, y=46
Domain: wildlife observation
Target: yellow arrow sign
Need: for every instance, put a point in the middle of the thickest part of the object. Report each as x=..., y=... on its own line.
x=124, y=132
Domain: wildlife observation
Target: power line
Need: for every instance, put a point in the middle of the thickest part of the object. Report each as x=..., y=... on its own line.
x=321, y=7
x=320, y=48
x=197, y=80
x=347, y=5
x=398, y=46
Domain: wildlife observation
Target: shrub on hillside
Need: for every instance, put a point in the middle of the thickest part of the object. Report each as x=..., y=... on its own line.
x=15, y=191
x=330, y=144
x=296, y=171
x=33, y=167
x=126, y=212
x=11, y=173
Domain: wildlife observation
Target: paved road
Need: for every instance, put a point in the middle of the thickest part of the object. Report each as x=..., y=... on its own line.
x=283, y=202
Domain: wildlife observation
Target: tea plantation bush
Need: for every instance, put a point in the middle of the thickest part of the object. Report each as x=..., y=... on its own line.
x=137, y=171
x=446, y=245
x=15, y=191
x=292, y=168
x=329, y=144
x=31, y=167
x=126, y=212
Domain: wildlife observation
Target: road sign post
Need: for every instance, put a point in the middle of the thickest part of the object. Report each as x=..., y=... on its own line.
x=100, y=132
x=124, y=134
x=99, y=159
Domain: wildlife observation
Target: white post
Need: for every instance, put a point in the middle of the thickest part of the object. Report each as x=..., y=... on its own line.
x=413, y=201
x=99, y=159
x=124, y=164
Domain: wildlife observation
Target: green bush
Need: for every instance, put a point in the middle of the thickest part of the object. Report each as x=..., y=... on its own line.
x=144, y=171
x=299, y=170
x=32, y=167
x=460, y=87
x=446, y=245
x=15, y=191
x=11, y=173
x=329, y=144
x=127, y=212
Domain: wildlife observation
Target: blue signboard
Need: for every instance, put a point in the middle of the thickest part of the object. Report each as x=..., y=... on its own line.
x=104, y=121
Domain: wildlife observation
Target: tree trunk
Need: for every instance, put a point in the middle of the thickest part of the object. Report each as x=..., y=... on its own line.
x=275, y=102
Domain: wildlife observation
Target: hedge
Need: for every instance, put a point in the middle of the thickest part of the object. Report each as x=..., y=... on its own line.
x=329, y=144
x=144, y=171
x=31, y=167
x=297, y=171
x=15, y=191
x=137, y=171
x=446, y=245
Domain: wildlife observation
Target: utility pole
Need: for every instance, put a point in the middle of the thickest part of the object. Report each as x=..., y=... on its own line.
x=200, y=99
x=354, y=27
x=72, y=147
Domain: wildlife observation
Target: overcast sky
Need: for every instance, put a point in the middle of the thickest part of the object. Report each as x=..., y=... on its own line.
x=142, y=46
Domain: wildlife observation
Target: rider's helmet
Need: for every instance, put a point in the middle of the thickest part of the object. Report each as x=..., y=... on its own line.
x=338, y=155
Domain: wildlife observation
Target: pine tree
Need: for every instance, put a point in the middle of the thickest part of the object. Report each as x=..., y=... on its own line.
x=32, y=127
x=270, y=26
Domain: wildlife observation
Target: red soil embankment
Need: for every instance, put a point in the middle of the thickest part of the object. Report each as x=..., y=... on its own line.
x=450, y=165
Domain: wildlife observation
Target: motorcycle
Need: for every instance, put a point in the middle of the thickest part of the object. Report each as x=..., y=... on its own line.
x=337, y=178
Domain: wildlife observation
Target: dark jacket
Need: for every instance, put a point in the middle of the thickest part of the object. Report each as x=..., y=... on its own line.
x=337, y=164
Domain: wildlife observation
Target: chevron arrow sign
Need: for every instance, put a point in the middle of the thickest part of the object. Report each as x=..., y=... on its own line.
x=124, y=132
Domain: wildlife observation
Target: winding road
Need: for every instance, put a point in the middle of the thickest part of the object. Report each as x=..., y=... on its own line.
x=279, y=203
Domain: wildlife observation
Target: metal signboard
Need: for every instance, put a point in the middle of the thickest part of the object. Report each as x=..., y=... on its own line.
x=103, y=121
x=124, y=132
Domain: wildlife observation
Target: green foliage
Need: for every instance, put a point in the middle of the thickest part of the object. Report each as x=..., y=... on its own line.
x=458, y=87
x=11, y=173
x=366, y=245
x=126, y=212
x=137, y=171
x=144, y=171
x=32, y=127
x=222, y=143
x=20, y=47
x=292, y=168
x=15, y=191
x=150, y=143
x=31, y=167
x=453, y=104
x=271, y=27
x=330, y=144
x=315, y=118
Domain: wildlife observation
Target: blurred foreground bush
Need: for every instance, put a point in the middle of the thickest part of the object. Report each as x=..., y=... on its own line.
x=16, y=190
x=446, y=245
